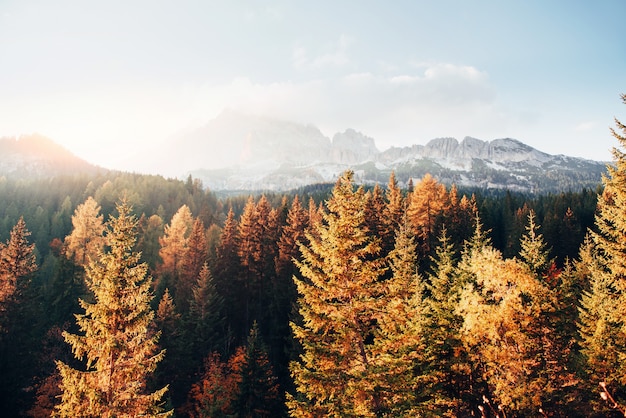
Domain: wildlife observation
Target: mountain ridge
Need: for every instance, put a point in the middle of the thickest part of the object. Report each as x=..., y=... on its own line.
x=237, y=152
x=35, y=156
x=282, y=155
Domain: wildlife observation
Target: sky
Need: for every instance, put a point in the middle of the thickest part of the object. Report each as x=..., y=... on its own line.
x=110, y=79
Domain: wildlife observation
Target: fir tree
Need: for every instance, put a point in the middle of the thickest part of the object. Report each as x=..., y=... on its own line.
x=115, y=338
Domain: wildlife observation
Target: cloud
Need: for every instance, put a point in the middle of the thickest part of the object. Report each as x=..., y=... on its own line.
x=439, y=100
x=585, y=126
x=334, y=55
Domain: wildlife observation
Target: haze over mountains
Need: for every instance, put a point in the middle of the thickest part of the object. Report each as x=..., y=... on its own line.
x=242, y=152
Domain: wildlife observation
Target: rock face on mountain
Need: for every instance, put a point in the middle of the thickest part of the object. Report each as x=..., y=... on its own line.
x=31, y=156
x=352, y=147
x=242, y=152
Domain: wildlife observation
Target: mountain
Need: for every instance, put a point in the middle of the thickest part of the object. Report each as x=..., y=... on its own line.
x=242, y=152
x=35, y=156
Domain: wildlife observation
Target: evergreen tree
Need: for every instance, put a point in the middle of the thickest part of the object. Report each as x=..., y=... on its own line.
x=17, y=263
x=194, y=259
x=447, y=362
x=398, y=343
x=534, y=251
x=227, y=271
x=393, y=213
x=174, y=368
x=85, y=241
x=19, y=317
x=602, y=323
x=205, y=314
x=340, y=299
x=115, y=337
x=258, y=394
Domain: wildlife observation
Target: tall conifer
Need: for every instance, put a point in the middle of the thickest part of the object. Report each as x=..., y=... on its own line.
x=115, y=338
x=603, y=310
x=340, y=298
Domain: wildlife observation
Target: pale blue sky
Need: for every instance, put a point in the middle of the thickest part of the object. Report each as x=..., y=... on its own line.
x=109, y=78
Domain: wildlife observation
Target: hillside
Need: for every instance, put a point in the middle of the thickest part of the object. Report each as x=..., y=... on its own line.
x=35, y=156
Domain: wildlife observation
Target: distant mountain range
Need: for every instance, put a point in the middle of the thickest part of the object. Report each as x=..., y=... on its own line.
x=242, y=152
x=237, y=152
x=35, y=156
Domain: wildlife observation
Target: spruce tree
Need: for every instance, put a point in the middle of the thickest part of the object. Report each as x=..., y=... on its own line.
x=115, y=338
x=340, y=299
x=603, y=305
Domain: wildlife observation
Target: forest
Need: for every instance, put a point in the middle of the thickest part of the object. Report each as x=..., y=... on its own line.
x=132, y=295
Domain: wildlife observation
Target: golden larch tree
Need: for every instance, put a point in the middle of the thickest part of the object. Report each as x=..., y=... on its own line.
x=86, y=239
x=340, y=297
x=115, y=338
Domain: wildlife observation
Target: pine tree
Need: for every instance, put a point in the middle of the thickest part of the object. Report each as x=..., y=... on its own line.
x=205, y=313
x=227, y=270
x=115, y=338
x=258, y=394
x=393, y=212
x=603, y=328
x=85, y=241
x=174, y=341
x=17, y=262
x=398, y=338
x=18, y=317
x=193, y=261
x=534, y=251
x=340, y=298
x=447, y=362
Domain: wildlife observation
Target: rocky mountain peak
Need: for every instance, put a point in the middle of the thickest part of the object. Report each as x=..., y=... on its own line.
x=352, y=147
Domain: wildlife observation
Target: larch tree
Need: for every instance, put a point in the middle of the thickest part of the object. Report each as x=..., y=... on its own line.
x=426, y=206
x=340, y=297
x=85, y=240
x=17, y=316
x=602, y=323
x=17, y=263
x=504, y=308
x=115, y=340
x=195, y=257
x=174, y=246
x=393, y=212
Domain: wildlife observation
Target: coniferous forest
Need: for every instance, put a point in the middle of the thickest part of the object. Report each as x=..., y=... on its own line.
x=132, y=295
